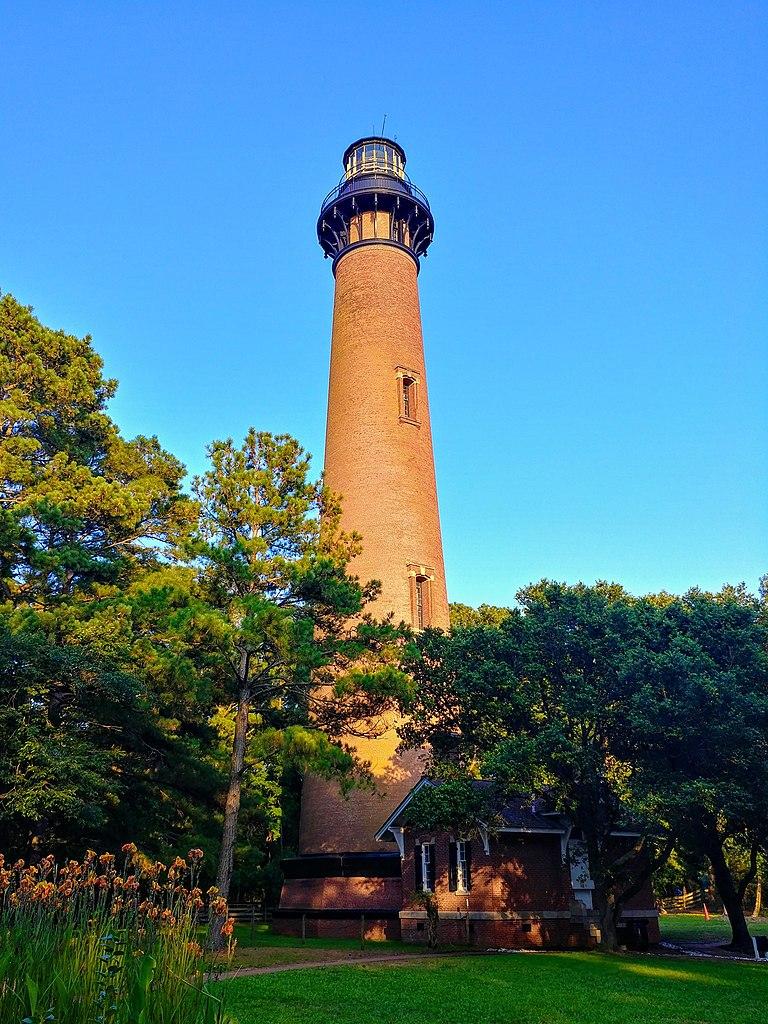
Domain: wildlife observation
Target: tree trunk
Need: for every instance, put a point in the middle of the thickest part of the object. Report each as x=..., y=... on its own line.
x=758, y=898
x=232, y=802
x=607, y=919
x=740, y=937
x=433, y=921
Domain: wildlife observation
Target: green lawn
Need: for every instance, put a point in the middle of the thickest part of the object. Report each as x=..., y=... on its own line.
x=260, y=947
x=262, y=935
x=695, y=928
x=552, y=988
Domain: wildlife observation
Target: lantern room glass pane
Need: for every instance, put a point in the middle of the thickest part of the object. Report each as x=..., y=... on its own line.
x=373, y=158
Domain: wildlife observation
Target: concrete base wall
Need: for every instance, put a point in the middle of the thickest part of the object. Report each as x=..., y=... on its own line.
x=549, y=934
x=372, y=929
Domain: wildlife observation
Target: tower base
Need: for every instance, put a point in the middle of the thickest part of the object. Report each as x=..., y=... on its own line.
x=347, y=895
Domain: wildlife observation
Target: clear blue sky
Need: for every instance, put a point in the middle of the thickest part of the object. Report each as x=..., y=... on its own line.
x=594, y=303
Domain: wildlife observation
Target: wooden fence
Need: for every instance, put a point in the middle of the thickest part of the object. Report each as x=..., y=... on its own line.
x=686, y=902
x=244, y=913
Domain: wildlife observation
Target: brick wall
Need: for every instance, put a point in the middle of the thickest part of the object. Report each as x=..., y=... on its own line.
x=523, y=873
x=356, y=894
x=384, y=470
x=521, y=897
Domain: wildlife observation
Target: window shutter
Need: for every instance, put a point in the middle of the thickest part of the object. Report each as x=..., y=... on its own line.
x=468, y=855
x=453, y=872
x=417, y=865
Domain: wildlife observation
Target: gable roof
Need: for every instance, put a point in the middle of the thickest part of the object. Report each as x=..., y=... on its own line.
x=520, y=813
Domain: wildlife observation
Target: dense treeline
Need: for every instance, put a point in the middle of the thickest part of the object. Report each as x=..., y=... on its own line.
x=648, y=715
x=161, y=642
x=157, y=646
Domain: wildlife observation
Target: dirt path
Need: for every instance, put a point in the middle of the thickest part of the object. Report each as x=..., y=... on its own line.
x=338, y=961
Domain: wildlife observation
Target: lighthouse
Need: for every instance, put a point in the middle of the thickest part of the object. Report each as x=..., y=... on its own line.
x=375, y=226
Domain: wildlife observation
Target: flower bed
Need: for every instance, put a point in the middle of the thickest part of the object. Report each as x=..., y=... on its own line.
x=87, y=941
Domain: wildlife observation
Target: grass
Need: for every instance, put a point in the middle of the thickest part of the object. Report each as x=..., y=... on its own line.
x=695, y=928
x=552, y=988
x=261, y=947
x=262, y=935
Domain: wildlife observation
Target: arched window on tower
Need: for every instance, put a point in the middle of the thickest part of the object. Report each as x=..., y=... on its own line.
x=422, y=583
x=421, y=596
x=408, y=394
x=409, y=397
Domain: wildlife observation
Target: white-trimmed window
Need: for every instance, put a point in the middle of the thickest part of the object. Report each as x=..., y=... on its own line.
x=460, y=865
x=424, y=863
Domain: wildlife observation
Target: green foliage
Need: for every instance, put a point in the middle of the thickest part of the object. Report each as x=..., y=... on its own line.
x=454, y=805
x=700, y=708
x=141, y=628
x=463, y=616
x=267, y=622
x=620, y=710
x=79, y=505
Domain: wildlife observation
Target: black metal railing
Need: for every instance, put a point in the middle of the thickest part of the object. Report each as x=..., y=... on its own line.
x=373, y=182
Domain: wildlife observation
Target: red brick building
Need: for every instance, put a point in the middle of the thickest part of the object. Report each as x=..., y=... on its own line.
x=523, y=883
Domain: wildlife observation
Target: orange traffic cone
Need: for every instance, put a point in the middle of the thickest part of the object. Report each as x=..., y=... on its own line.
x=706, y=913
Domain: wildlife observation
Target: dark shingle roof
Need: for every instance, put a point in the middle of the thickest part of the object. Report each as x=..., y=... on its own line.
x=522, y=811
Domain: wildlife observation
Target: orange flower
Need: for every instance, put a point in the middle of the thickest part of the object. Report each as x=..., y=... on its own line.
x=228, y=927
x=196, y=854
x=43, y=890
x=218, y=906
x=129, y=847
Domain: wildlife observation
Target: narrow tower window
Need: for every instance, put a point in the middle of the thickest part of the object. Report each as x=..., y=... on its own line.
x=421, y=583
x=421, y=595
x=408, y=394
x=408, y=398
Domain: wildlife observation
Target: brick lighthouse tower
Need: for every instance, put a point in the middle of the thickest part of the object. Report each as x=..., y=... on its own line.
x=375, y=225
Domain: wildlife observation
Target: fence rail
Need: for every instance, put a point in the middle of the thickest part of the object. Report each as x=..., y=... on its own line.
x=244, y=913
x=686, y=901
